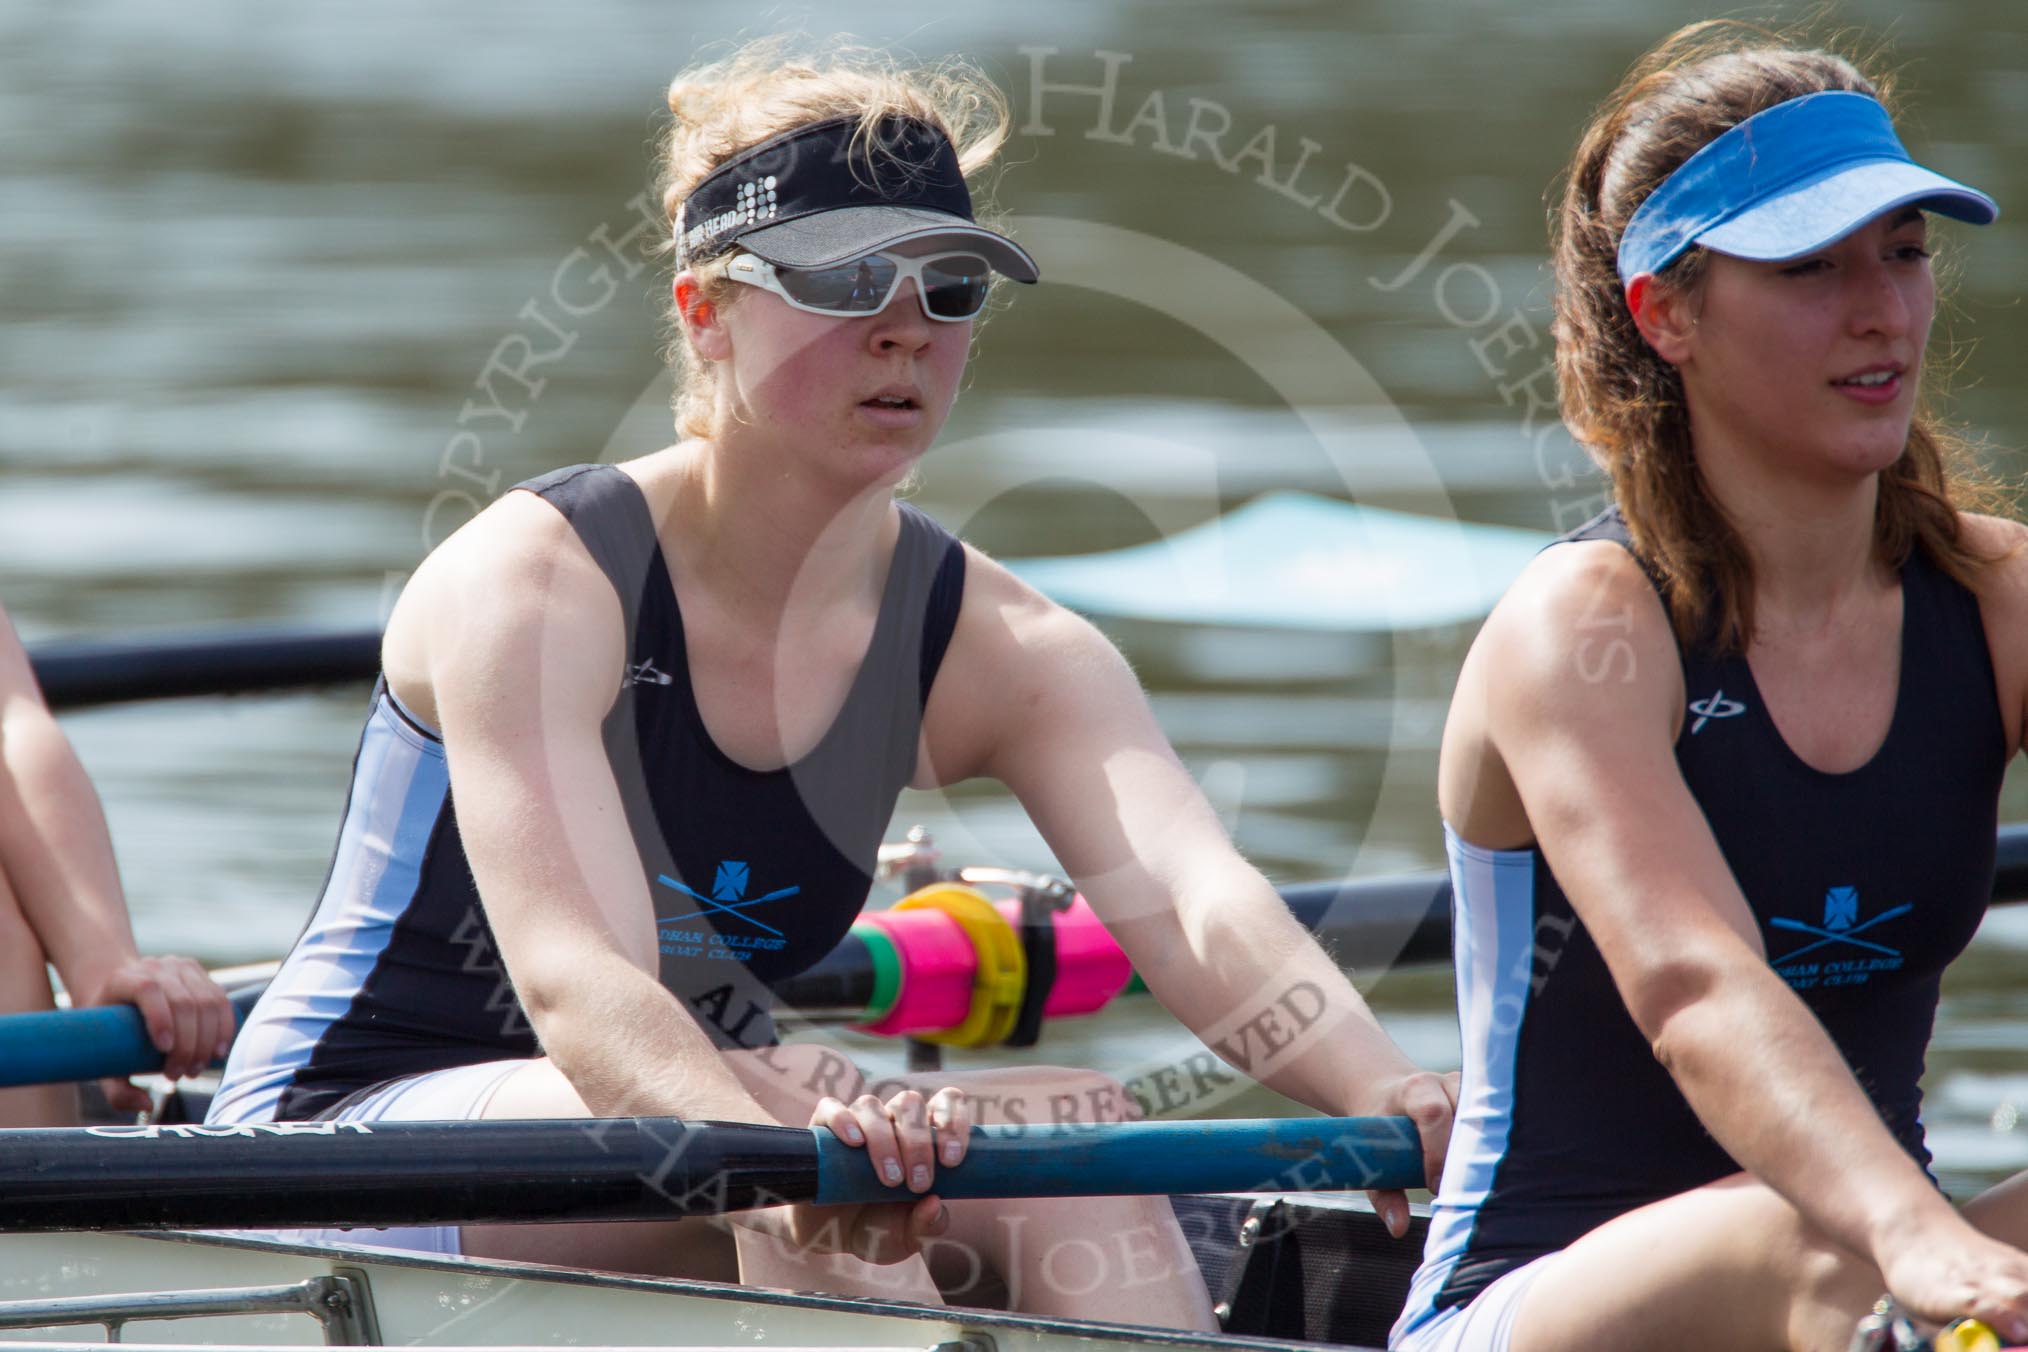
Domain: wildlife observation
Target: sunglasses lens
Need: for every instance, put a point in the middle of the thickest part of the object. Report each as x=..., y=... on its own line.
x=855, y=288
x=955, y=286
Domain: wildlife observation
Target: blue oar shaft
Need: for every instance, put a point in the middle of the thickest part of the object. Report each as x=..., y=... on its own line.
x=1152, y=1158
x=75, y=1044
x=58, y=1045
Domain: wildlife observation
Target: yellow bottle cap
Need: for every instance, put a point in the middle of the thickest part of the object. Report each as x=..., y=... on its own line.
x=1968, y=1335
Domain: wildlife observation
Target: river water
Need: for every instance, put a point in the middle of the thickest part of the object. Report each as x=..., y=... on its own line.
x=262, y=267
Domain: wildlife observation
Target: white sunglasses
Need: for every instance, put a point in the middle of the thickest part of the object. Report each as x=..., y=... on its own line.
x=951, y=286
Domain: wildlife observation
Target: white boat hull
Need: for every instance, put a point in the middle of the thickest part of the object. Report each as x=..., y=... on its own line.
x=471, y=1303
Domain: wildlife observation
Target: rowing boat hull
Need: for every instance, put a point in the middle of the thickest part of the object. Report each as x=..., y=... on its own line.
x=470, y=1303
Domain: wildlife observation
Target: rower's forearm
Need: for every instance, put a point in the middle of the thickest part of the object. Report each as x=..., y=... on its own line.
x=1260, y=992
x=57, y=853
x=1339, y=1059
x=1773, y=1090
x=629, y=1050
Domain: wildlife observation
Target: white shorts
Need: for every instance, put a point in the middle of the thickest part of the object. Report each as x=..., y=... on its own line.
x=1485, y=1325
x=459, y=1094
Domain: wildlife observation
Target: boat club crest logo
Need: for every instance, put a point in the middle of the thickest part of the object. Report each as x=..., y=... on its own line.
x=1841, y=908
x=728, y=899
x=1848, y=959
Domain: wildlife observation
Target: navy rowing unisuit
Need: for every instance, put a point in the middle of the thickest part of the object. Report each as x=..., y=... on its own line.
x=755, y=875
x=1865, y=885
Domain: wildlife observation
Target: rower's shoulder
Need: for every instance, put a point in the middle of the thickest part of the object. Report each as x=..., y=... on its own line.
x=1019, y=668
x=17, y=674
x=510, y=556
x=1575, y=591
x=1579, y=646
x=2000, y=585
x=515, y=573
x=1574, y=682
x=1003, y=617
x=2002, y=543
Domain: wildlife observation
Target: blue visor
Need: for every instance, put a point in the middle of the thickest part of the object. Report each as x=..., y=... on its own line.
x=1790, y=179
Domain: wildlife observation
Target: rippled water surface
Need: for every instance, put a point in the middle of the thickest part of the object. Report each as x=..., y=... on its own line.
x=255, y=261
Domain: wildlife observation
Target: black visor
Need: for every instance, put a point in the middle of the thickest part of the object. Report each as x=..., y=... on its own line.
x=805, y=199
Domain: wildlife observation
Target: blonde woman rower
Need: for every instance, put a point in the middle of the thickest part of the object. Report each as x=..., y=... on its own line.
x=673, y=702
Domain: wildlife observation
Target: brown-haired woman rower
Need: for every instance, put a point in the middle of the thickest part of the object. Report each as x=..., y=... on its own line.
x=1720, y=777
x=674, y=701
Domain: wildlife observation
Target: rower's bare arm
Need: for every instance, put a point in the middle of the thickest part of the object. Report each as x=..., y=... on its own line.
x=1589, y=746
x=57, y=857
x=515, y=633
x=53, y=840
x=2003, y=604
x=1064, y=723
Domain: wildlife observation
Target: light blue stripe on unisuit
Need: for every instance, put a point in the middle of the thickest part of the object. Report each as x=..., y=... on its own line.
x=398, y=791
x=1492, y=942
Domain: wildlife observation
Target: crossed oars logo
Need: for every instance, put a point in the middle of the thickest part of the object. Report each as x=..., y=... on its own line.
x=1841, y=914
x=728, y=895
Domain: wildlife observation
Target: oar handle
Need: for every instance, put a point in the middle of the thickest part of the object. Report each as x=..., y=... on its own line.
x=1151, y=1158
x=452, y=1173
x=57, y=1045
